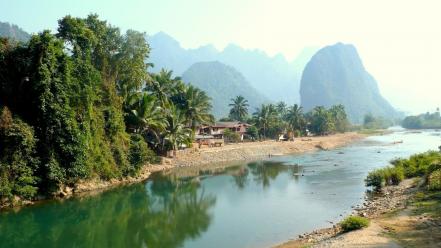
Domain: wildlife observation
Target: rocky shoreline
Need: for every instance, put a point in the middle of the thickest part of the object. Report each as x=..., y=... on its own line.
x=247, y=151
x=392, y=198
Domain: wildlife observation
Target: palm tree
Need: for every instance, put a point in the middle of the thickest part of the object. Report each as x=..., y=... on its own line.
x=321, y=120
x=281, y=109
x=196, y=107
x=176, y=132
x=294, y=117
x=164, y=86
x=145, y=115
x=264, y=117
x=339, y=117
x=239, y=108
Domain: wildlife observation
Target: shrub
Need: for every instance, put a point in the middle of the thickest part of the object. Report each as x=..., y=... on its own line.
x=252, y=133
x=231, y=136
x=375, y=179
x=353, y=223
x=418, y=164
x=139, y=154
x=434, y=167
x=393, y=175
x=434, y=180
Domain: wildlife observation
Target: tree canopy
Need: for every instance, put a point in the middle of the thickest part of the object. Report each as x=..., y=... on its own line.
x=81, y=103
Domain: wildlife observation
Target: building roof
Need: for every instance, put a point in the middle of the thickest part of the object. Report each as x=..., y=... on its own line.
x=229, y=124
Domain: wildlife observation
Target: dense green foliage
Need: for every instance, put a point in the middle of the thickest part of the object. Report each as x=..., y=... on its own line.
x=18, y=160
x=425, y=164
x=81, y=104
x=427, y=120
x=273, y=120
x=354, y=223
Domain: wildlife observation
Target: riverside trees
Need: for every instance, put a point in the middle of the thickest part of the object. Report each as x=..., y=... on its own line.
x=272, y=120
x=80, y=103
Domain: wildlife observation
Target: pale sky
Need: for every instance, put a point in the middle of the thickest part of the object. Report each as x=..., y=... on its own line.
x=398, y=41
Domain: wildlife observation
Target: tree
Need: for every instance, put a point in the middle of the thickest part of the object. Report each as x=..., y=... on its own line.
x=321, y=122
x=294, y=117
x=281, y=109
x=165, y=86
x=264, y=118
x=339, y=117
x=18, y=158
x=176, y=132
x=239, y=108
x=146, y=117
x=196, y=107
x=252, y=133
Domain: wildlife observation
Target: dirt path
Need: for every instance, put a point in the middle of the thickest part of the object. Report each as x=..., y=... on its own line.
x=373, y=236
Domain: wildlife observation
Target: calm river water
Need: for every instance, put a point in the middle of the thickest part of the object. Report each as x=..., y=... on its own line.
x=255, y=204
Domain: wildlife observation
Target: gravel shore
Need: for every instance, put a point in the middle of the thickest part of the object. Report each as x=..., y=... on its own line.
x=392, y=198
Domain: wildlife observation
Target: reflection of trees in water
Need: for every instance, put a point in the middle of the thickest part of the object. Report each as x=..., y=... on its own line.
x=163, y=214
x=265, y=172
x=241, y=177
x=296, y=171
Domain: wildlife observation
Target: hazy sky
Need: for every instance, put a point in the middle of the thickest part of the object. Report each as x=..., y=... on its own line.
x=399, y=41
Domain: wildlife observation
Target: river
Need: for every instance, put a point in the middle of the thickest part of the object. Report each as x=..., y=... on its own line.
x=256, y=204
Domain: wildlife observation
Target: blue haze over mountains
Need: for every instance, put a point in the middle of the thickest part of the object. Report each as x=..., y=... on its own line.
x=274, y=77
x=332, y=75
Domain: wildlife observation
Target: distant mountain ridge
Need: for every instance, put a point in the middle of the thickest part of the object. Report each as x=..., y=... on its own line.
x=336, y=75
x=222, y=83
x=13, y=32
x=275, y=77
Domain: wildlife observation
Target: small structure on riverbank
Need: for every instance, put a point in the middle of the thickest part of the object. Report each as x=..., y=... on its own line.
x=208, y=140
x=217, y=130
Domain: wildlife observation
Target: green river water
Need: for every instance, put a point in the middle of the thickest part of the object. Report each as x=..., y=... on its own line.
x=256, y=204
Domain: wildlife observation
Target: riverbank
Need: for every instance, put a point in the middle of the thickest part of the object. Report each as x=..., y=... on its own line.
x=398, y=218
x=260, y=150
x=246, y=151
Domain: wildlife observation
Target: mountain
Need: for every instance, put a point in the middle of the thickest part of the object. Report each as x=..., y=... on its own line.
x=14, y=32
x=275, y=77
x=336, y=75
x=222, y=82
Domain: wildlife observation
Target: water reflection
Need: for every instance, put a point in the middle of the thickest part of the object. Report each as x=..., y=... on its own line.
x=163, y=213
x=246, y=205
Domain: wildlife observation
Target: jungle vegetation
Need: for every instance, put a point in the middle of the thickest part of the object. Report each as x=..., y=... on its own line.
x=81, y=103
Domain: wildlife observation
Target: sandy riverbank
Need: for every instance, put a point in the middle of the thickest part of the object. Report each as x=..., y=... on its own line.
x=394, y=222
x=259, y=150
